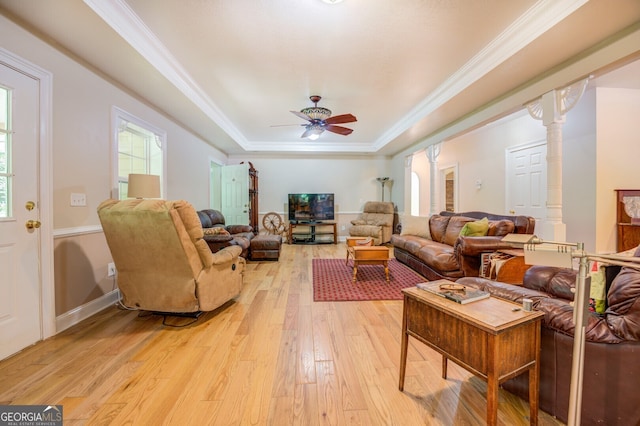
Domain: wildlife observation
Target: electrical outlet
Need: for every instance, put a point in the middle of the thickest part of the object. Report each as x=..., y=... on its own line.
x=342, y=228
x=111, y=269
x=78, y=200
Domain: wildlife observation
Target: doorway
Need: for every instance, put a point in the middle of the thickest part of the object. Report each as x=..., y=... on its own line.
x=527, y=180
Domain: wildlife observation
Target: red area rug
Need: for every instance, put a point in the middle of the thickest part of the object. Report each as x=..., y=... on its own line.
x=332, y=281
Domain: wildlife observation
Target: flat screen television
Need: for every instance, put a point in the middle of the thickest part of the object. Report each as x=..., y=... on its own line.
x=311, y=207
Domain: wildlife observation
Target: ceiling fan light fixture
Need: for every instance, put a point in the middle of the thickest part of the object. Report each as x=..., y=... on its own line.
x=317, y=113
x=314, y=131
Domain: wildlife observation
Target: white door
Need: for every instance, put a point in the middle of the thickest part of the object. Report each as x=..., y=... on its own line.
x=20, y=289
x=527, y=181
x=235, y=194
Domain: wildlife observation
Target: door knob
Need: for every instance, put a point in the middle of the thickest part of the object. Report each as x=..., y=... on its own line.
x=31, y=224
x=30, y=205
x=512, y=212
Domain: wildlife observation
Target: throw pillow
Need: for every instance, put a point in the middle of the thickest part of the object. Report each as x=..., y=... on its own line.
x=415, y=225
x=215, y=231
x=476, y=228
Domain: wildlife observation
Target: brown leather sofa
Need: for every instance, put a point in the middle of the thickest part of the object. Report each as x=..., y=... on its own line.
x=612, y=351
x=219, y=235
x=441, y=252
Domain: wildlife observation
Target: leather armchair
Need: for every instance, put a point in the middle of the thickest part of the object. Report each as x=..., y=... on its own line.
x=375, y=221
x=163, y=262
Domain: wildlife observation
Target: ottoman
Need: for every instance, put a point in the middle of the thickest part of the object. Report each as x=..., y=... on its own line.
x=266, y=247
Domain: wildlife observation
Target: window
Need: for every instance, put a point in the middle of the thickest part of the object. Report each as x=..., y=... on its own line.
x=5, y=154
x=140, y=150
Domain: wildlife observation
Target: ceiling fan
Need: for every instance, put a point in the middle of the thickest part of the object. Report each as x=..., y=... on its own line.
x=320, y=119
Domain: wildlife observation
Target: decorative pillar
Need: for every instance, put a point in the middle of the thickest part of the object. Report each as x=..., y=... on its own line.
x=408, y=160
x=552, y=108
x=433, y=151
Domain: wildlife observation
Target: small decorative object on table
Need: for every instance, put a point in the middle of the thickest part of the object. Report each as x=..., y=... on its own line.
x=452, y=291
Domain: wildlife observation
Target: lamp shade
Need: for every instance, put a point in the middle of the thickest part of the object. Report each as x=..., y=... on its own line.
x=144, y=186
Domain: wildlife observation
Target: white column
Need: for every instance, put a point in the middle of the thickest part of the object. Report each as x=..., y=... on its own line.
x=433, y=151
x=407, y=183
x=551, y=108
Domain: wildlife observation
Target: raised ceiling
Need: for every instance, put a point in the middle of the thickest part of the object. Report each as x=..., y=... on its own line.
x=231, y=70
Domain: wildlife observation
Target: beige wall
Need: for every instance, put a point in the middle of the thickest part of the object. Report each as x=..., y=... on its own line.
x=618, y=156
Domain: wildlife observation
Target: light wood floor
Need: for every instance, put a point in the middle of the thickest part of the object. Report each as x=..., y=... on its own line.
x=272, y=357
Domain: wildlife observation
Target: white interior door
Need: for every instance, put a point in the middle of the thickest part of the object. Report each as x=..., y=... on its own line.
x=527, y=181
x=20, y=289
x=235, y=194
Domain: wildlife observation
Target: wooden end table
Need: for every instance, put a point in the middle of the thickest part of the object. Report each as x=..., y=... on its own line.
x=370, y=255
x=492, y=338
x=356, y=241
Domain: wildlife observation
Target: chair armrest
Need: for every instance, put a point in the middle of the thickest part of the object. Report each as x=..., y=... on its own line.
x=238, y=229
x=475, y=246
x=226, y=255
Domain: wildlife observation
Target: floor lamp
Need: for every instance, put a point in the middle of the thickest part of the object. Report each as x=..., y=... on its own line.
x=382, y=181
x=561, y=254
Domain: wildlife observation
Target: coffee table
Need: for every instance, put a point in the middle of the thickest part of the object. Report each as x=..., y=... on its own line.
x=370, y=255
x=492, y=338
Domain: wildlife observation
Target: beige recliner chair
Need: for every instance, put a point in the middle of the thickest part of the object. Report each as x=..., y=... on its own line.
x=163, y=262
x=376, y=221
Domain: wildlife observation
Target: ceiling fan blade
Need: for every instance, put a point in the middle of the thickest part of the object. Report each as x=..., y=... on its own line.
x=338, y=119
x=301, y=115
x=338, y=129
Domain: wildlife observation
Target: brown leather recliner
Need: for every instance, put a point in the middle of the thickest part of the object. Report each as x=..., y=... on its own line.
x=219, y=235
x=612, y=350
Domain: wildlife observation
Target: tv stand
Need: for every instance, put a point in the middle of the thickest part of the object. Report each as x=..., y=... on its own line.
x=312, y=233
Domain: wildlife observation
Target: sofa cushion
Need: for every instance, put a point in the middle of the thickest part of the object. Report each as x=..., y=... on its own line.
x=558, y=282
x=623, y=311
x=455, y=225
x=500, y=228
x=409, y=243
x=477, y=228
x=415, y=225
x=438, y=256
x=437, y=226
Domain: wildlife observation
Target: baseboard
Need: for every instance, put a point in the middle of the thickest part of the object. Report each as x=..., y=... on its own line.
x=83, y=312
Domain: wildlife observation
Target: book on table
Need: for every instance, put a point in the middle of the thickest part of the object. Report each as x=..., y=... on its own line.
x=452, y=291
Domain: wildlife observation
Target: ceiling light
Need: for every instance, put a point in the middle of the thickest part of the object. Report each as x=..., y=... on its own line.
x=332, y=1
x=314, y=131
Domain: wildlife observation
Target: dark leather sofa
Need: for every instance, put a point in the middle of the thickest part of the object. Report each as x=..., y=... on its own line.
x=611, y=378
x=224, y=235
x=450, y=256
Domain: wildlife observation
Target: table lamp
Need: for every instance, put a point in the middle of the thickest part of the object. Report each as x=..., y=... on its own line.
x=143, y=186
x=561, y=254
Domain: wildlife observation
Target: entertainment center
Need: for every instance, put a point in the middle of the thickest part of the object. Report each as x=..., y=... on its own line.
x=307, y=216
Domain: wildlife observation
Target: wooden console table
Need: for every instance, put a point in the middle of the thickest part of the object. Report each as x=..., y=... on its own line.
x=492, y=338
